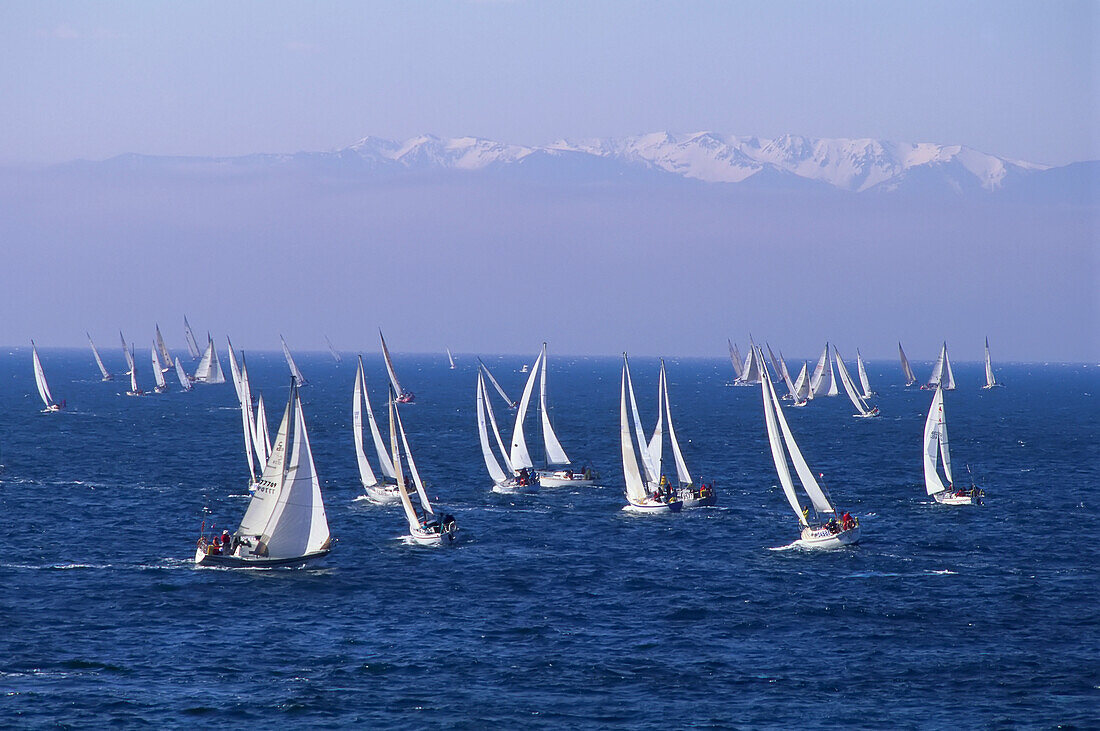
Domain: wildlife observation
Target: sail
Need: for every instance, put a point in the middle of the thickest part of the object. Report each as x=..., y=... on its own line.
x=654, y=450
x=652, y=475
x=234, y=370
x=786, y=376
x=389, y=366
x=635, y=487
x=910, y=377
x=753, y=369
x=158, y=374
x=248, y=422
x=270, y=484
x=933, y=427
x=107, y=375
x=819, y=370
x=802, y=390
x=948, y=380
x=828, y=379
x=202, y=371
x=990, y=381
x=495, y=472
x=682, y=473
x=451, y=358
x=422, y=497
x=298, y=525
x=366, y=474
x=735, y=358
x=165, y=356
x=805, y=474
x=849, y=387
x=866, y=384
x=185, y=382
x=496, y=384
x=937, y=369
x=298, y=378
x=40, y=378
x=384, y=462
x=775, y=361
x=126, y=353
x=133, y=377
x=779, y=457
x=335, y=355
x=263, y=439
x=215, y=375
x=519, y=455
x=554, y=452
x=192, y=344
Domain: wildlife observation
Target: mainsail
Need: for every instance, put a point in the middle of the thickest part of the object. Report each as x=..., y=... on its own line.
x=802, y=391
x=192, y=344
x=99, y=361
x=234, y=370
x=849, y=387
x=735, y=358
x=335, y=355
x=635, y=487
x=555, y=455
x=682, y=473
x=451, y=358
x=389, y=368
x=210, y=368
x=942, y=375
x=413, y=515
x=126, y=353
x=40, y=380
x=823, y=383
x=495, y=472
x=990, y=381
x=935, y=444
x=298, y=377
x=366, y=474
x=519, y=455
x=496, y=384
x=165, y=356
x=158, y=372
x=863, y=381
x=184, y=380
x=910, y=377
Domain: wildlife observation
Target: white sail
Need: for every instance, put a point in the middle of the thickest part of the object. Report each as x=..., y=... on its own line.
x=849, y=387
x=185, y=382
x=107, y=375
x=451, y=358
x=519, y=455
x=802, y=391
x=990, y=381
x=234, y=370
x=682, y=473
x=495, y=471
x=937, y=369
x=202, y=371
x=366, y=474
x=133, y=377
x=335, y=355
x=396, y=427
x=298, y=377
x=949, y=375
x=496, y=384
x=215, y=375
x=735, y=358
x=819, y=370
x=779, y=456
x=126, y=353
x=862, y=369
x=635, y=487
x=389, y=366
x=40, y=379
x=270, y=485
x=652, y=473
x=787, y=376
x=166, y=357
x=554, y=452
x=753, y=369
x=775, y=362
x=158, y=374
x=910, y=377
x=935, y=428
x=192, y=344
x=298, y=525
x=248, y=423
x=385, y=464
x=655, y=448
x=263, y=438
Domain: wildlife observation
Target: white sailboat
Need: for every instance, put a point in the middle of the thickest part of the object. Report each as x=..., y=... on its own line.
x=735, y=360
x=210, y=368
x=192, y=344
x=253, y=453
x=692, y=495
x=450, y=358
x=298, y=377
x=942, y=375
x=802, y=391
x=823, y=381
x=780, y=366
x=830, y=534
x=864, y=411
x=425, y=527
x=863, y=380
x=40, y=381
x=285, y=523
x=752, y=371
x=935, y=445
x=158, y=372
x=990, y=380
x=165, y=356
x=510, y=480
x=335, y=356
x=126, y=354
x=135, y=390
x=382, y=489
x=234, y=369
x=403, y=396
x=910, y=377
x=184, y=379
x=496, y=384
x=640, y=497
x=99, y=361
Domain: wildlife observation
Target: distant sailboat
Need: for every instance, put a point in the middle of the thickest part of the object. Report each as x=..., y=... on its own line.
x=752, y=371
x=910, y=377
x=40, y=381
x=823, y=381
x=298, y=377
x=379, y=489
x=192, y=344
x=496, y=384
x=158, y=372
x=184, y=379
x=935, y=444
x=990, y=380
x=126, y=354
x=335, y=355
x=830, y=534
x=780, y=366
x=451, y=358
x=802, y=392
x=425, y=528
x=98, y=361
x=640, y=497
x=864, y=411
x=210, y=368
x=863, y=381
x=285, y=523
x=511, y=481
x=942, y=376
x=165, y=356
x=134, y=389
x=403, y=396
x=735, y=360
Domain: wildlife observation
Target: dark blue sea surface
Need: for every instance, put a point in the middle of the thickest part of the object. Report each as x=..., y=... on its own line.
x=559, y=609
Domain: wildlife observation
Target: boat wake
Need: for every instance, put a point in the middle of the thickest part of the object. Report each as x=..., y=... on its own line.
x=789, y=546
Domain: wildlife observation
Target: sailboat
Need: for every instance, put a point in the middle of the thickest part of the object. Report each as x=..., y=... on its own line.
x=780, y=366
x=98, y=361
x=692, y=495
x=451, y=358
x=830, y=534
x=558, y=470
x=379, y=490
x=285, y=523
x=823, y=382
x=253, y=453
x=40, y=381
x=134, y=389
x=935, y=444
x=640, y=497
x=910, y=377
x=735, y=360
x=512, y=481
x=234, y=369
x=425, y=528
x=496, y=384
x=802, y=392
x=403, y=396
x=942, y=376
x=166, y=357
x=158, y=372
x=335, y=356
x=126, y=354
x=192, y=344
x=184, y=379
x=263, y=438
x=751, y=371
x=864, y=411
x=990, y=381
x=863, y=380
x=298, y=377
x=210, y=368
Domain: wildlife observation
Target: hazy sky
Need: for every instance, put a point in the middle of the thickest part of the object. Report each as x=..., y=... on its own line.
x=91, y=80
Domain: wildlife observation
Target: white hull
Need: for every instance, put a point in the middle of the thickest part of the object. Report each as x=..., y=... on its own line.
x=429, y=538
x=206, y=559
x=650, y=506
x=547, y=480
x=823, y=538
x=869, y=415
x=511, y=488
x=51, y=409
x=950, y=498
x=992, y=385
x=383, y=494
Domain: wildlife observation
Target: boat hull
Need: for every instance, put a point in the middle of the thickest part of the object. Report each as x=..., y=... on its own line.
x=675, y=506
x=548, y=480
x=207, y=559
x=950, y=498
x=691, y=500
x=823, y=538
x=427, y=538
x=383, y=494
x=510, y=488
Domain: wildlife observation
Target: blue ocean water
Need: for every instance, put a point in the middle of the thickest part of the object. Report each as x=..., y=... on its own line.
x=559, y=609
